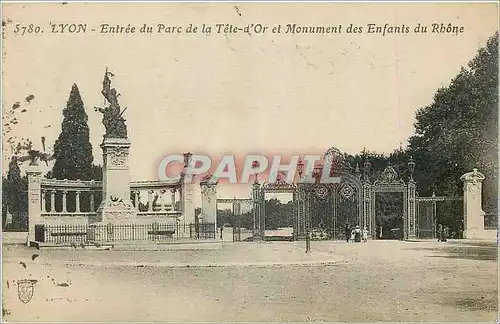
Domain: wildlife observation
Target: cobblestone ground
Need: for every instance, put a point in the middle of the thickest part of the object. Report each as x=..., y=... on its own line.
x=374, y=281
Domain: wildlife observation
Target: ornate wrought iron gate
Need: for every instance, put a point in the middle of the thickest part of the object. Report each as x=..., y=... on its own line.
x=433, y=210
x=325, y=208
x=260, y=193
x=240, y=207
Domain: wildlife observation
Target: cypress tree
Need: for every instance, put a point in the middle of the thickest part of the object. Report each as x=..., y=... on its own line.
x=16, y=195
x=72, y=150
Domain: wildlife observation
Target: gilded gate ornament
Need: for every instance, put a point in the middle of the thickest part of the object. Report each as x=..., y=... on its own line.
x=321, y=192
x=389, y=177
x=336, y=159
x=347, y=191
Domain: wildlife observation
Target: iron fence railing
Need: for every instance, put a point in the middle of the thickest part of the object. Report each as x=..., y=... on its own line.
x=122, y=232
x=490, y=221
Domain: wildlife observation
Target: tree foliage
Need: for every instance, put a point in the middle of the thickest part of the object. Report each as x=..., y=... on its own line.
x=72, y=150
x=458, y=131
x=278, y=214
x=15, y=196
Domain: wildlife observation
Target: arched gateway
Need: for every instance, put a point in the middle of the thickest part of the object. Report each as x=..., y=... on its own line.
x=326, y=208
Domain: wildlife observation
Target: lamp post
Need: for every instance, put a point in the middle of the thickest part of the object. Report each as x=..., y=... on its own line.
x=300, y=166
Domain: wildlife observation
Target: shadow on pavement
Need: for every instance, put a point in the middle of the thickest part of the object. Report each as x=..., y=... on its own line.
x=476, y=304
x=471, y=251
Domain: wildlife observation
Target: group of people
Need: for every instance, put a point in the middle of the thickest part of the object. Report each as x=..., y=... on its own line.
x=356, y=234
x=443, y=233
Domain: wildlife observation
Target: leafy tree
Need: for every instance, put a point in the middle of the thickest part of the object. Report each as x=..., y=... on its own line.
x=458, y=131
x=225, y=216
x=278, y=214
x=97, y=172
x=72, y=150
x=15, y=196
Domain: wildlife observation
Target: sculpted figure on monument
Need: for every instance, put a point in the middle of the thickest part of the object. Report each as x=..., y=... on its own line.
x=112, y=115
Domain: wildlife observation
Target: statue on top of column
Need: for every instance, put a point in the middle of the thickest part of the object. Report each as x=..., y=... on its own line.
x=112, y=115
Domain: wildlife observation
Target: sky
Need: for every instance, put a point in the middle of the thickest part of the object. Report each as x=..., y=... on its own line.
x=238, y=93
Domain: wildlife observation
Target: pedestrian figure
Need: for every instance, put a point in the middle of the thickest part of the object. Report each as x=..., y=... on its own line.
x=445, y=233
x=365, y=234
x=440, y=232
x=357, y=234
x=347, y=232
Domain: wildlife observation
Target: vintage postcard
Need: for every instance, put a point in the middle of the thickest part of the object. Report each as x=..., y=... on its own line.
x=250, y=162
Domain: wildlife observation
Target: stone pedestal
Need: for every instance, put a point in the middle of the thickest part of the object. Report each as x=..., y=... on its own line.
x=209, y=202
x=188, y=207
x=34, y=174
x=116, y=207
x=473, y=211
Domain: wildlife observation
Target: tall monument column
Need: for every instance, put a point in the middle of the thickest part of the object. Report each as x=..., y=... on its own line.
x=116, y=206
x=473, y=211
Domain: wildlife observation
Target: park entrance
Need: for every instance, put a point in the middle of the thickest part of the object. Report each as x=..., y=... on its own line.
x=388, y=207
x=391, y=206
x=389, y=215
x=278, y=211
x=235, y=218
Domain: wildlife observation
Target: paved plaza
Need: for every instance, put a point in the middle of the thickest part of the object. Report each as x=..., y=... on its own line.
x=338, y=281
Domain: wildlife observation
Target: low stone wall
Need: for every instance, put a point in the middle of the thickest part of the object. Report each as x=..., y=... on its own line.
x=65, y=219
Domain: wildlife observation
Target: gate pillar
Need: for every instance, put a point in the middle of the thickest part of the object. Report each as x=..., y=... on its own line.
x=34, y=203
x=411, y=208
x=473, y=211
x=256, y=202
x=262, y=214
x=301, y=212
x=209, y=202
x=367, y=208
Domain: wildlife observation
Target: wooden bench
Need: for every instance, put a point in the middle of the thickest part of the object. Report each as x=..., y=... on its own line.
x=68, y=234
x=168, y=233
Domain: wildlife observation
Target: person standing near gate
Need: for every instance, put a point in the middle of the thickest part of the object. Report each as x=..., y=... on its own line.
x=347, y=232
x=446, y=232
x=440, y=232
x=365, y=234
x=357, y=234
